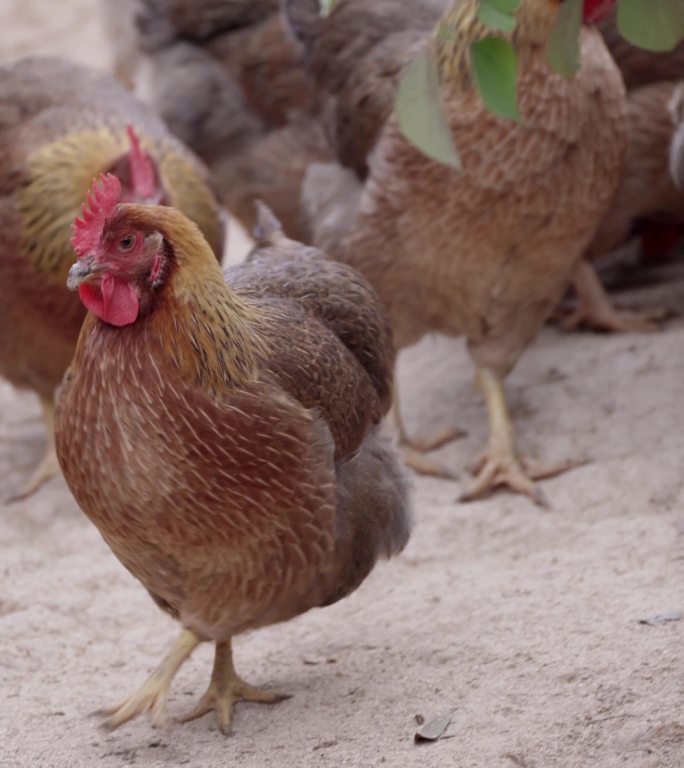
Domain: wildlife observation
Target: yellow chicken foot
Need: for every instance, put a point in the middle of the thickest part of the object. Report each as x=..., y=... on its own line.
x=597, y=312
x=48, y=466
x=153, y=693
x=226, y=689
x=412, y=449
x=501, y=464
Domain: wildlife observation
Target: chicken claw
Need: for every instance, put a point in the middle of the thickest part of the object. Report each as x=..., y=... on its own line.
x=517, y=473
x=412, y=449
x=597, y=312
x=226, y=689
x=501, y=464
x=153, y=693
x=49, y=466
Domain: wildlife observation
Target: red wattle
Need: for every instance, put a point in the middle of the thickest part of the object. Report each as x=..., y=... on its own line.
x=112, y=300
x=597, y=10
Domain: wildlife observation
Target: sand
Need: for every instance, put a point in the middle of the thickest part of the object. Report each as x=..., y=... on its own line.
x=522, y=623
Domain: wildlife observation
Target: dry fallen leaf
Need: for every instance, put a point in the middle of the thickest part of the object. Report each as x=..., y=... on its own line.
x=433, y=729
x=661, y=618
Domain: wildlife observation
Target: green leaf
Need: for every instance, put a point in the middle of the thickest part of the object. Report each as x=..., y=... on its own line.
x=498, y=15
x=326, y=6
x=656, y=25
x=418, y=108
x=563, y=50
x=509, y=7
x=495, y=65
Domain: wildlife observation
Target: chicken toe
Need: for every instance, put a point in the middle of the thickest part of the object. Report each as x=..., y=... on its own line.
x=48, y=466
x=423, y=465
x=595, y=310
x=153, y=693
x=226, y=689
x=413, y=448
x=501, y=464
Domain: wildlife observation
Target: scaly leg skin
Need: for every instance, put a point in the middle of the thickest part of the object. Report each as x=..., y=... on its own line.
x=501, y=464
x=597, y=312
x=49, y=466
x=153, y=693
x=412, y=449
x=226, y=689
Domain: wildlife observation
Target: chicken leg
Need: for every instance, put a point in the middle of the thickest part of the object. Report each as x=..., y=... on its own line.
x=412, y=449
x=48, y=466
x=501, y=463
x=597, y=312
x=153, y=693
x=226, y=689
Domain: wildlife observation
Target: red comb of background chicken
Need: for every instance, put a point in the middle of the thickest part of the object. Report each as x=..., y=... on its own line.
x=596, y=10
x=142, y=169
x=103, y=197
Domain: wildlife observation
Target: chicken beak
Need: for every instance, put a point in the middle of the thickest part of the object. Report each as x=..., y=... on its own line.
x=81, y=272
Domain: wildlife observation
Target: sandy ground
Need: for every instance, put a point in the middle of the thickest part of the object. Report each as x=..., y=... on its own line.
x=523, y=623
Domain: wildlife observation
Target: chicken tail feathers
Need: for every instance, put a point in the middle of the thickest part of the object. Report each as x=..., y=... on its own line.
x=374, y=513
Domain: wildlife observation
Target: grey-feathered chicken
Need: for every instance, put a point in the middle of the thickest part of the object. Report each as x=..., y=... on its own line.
x=227, y=79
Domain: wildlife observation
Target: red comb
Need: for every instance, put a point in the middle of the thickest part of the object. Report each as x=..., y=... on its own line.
x=142, y=169
x=103, y=196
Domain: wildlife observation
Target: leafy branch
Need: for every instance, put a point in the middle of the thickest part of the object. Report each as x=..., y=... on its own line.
x=655, y=25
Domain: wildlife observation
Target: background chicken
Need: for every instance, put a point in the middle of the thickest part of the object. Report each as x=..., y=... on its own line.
x=245, y=481
x=227, y=80
x=677, y=145
x=488, y=252
x=60, y=125
x=646, y=198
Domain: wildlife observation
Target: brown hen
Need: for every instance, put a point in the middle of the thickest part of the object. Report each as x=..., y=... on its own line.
x=61, y=125
x=222, y=433
x=487, y=252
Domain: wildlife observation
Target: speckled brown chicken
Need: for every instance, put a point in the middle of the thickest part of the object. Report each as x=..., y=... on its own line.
x=227, y=79
x=488, y=252
x=221, y=432
x=61, y=125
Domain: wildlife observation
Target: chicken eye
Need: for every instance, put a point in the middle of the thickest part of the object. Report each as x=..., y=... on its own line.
x=126, y=243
